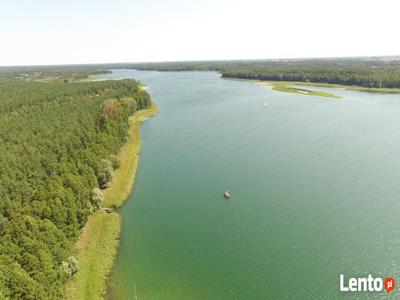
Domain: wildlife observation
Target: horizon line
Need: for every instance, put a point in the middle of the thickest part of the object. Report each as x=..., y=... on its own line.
x=394, y=57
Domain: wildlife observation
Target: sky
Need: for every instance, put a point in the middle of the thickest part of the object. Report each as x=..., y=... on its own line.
x=41, y=32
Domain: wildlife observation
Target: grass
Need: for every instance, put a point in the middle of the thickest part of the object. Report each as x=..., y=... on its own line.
x=97, y=247
x=98, y=242
x=289, y=87
x=350, y=87
x=124, y=177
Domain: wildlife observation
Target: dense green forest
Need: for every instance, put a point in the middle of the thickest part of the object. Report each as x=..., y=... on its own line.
x=378, y=72
x=58, y=142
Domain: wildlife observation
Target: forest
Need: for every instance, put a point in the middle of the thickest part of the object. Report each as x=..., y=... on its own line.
x=58, y=146
x=373, y=72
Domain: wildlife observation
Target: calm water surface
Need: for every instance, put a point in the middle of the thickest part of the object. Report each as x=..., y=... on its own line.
x=315, y=187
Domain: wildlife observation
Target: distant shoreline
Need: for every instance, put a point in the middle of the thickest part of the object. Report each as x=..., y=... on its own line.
x=281, y=82
x=348, y=87
x=290, y=87
x=277, y=85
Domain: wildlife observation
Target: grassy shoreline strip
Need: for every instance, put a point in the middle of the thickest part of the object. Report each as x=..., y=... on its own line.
x=317, y=84
x=328, y=85
x=124, y=177
x=97, y=247
x=350, y=87
x=98, y=243
x=289, y=87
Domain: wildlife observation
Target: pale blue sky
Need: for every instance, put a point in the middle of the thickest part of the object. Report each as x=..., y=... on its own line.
x=64, y=32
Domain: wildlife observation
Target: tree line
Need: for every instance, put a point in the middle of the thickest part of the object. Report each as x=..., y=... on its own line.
x=374, y=72
x=58, y=146
x=377, y=72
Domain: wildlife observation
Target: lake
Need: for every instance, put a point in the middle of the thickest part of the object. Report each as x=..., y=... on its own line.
x=315, y=187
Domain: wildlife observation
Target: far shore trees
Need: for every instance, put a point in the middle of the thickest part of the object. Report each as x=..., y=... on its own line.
x=372, y=72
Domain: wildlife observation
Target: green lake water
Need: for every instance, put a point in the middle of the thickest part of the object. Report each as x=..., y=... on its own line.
x=315, y=187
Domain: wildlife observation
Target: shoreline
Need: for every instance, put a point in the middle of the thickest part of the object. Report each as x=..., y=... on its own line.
x=124, y=177
x=98, y=242
x=349, y=87
x=317, y=84
x=290, y=87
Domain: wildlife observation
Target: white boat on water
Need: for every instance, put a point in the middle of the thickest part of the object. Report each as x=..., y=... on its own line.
x=265, y=104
